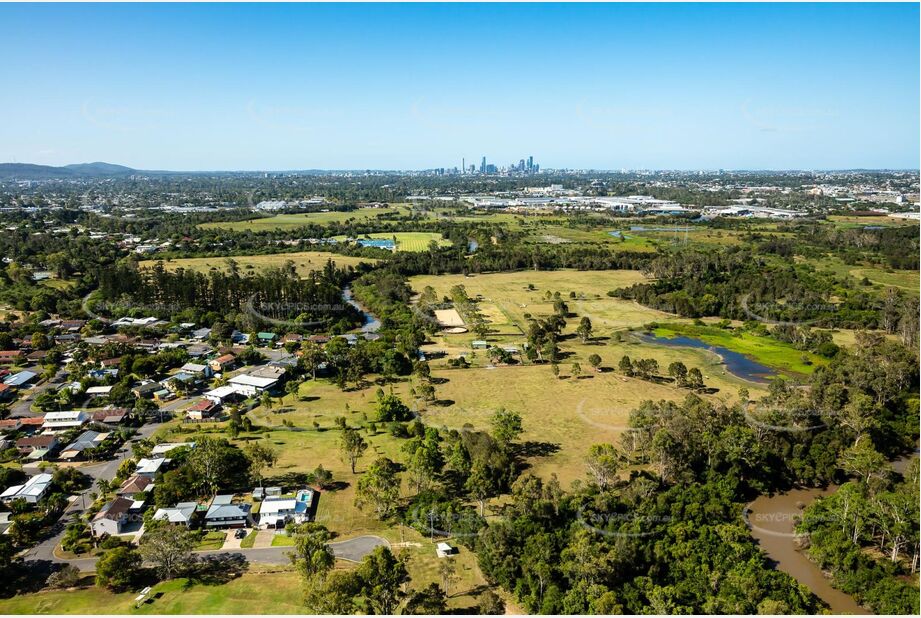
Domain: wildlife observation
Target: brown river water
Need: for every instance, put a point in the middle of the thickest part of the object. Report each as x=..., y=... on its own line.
x=771, y=520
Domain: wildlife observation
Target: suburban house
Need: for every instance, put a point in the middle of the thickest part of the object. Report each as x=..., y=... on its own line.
x=196, y=369
x=147, y=389
x=272, y=370
x=223, y=393
x=249, y=385
x=150, y=467
x=110, y=416
x=162, y=449
x=203, y=409
x=46, y=443
x=99, y=391
x=111, y=518
x=18, y=380
x=32, y=491
x=6, y=392
x=222, y=363
x=135, y=484
x=10, y=357
x=265, y=338
x=276, y=511
x=85, y=441
x=182, y=513
x=223, y=513
x=60, y=421
x=10, y=425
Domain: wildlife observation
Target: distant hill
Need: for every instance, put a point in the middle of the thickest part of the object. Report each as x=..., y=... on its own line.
x=30, y=171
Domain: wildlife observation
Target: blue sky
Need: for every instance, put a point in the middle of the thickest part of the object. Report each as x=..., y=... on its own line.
x=679, y=86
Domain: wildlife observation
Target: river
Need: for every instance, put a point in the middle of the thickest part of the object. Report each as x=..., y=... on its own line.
x=771, y=520
x=736, y=363
x=372, y=324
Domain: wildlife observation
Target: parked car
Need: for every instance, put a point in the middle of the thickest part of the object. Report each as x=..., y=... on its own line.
x=240, y=534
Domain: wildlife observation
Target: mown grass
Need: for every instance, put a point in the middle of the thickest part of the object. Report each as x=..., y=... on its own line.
x=304, y=262
x=213, y=539
x=408, y=241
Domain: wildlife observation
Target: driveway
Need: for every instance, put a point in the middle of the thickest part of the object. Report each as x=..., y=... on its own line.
x=231, y=541
x=359, y=547
x=263, y=539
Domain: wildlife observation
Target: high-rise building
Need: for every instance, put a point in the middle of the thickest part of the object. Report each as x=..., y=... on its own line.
x=530, y=163
x=483, y=166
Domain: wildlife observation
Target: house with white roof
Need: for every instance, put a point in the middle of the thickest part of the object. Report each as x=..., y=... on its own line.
x=180, y=514
x=252, y=385
x=57, y=421
x=32, y=491
x=150, y=467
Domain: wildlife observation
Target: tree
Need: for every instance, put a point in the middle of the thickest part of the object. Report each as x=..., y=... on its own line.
x=382, y=575
x=506, y=426
x=481, y=485
x=595, y=361
x=261, y=456
x=265, y=400
x=695, y=379
x=626, y=366
x=169, y=548
x=352, y=445
x=379, y=487
x=311, y=555
x=428, y=601
x=66, y=577
x=322, y=477
x=576, y=370
x=584, y=330
x=679, y=372
x=603, y=463
x=390, y=408
x=490, y=604
x=216, y=463
x=118, y=568
x=447, y=569
x=555, y=369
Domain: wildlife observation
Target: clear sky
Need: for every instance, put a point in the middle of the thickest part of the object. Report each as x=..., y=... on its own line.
x=679, y=86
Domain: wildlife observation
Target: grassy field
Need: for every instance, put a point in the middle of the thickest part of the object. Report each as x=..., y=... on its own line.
x=847, y=221
x=287, y=222
x=252, y=593
x=304, y=262
x=408, y=241
x=881, y=278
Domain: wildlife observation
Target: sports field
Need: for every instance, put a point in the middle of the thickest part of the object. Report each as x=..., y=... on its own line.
x=407, y=241
x=304, y=262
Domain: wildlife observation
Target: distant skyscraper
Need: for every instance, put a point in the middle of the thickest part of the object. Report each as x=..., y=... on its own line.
x=530, y=163
x=483, y=166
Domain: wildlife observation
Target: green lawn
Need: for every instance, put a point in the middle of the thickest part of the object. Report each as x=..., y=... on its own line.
x=250, y=539
x=212, y=540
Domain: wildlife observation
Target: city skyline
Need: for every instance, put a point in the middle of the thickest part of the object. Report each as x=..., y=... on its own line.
x=381, y=87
